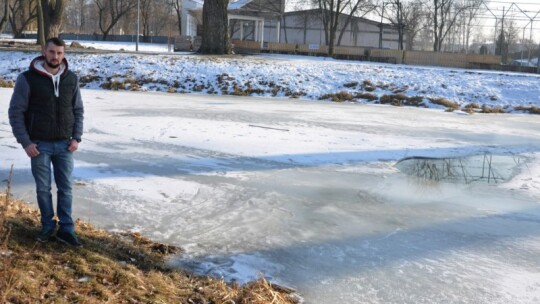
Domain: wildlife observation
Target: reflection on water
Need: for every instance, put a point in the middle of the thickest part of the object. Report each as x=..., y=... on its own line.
x=486, y=167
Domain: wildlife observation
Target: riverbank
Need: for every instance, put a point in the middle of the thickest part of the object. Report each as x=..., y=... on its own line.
x=119, y=268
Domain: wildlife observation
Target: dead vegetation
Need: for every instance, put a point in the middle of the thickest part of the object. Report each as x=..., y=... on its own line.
x=402, y=100
x=366, y=96
x=338, y=97
x=7, y=83
x=450, y=105
x=492, y=110
x=530, y=109
x=351, y=84
x=112, y=268
x=471, y=108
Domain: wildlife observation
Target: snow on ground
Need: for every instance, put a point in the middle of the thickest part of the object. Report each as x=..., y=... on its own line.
x=306, y=192
x=117, y=46
x=293, y=76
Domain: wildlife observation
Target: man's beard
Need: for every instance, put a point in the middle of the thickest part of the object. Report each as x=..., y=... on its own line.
x=51, y=65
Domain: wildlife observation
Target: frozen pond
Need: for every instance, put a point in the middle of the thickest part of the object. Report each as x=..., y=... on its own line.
x=308, y=194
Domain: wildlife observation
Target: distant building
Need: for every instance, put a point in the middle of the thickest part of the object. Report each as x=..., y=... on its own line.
x=248, y=19
x=525, y=62
x=306, y=27
x=267, y=21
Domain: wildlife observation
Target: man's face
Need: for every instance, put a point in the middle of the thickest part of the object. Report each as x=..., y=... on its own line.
x=53, y=55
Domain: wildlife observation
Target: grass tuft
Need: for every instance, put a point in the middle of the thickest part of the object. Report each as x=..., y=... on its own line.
x=338, y=97
x=450, y=105
x=367, y=96
x=351, y=84
x=6, y=83
x=494, y=110
x=530, y=110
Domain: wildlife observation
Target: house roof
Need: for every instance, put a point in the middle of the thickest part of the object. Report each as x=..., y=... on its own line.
x=316, y=10
x=238, y=4
x=232, y=6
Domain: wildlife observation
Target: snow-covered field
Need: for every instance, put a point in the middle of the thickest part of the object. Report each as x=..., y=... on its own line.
x=293, y=76
x=306, y=192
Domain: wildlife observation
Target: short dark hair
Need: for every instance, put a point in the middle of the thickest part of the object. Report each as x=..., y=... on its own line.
x=56, y=41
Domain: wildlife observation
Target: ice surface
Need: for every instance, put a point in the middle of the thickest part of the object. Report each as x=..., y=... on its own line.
x=320, y=207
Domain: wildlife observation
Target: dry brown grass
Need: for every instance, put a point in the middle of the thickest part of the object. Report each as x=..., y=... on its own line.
x=530, y=110
x=450, y=105
x=110, y=268
x=338, y=97
x=367, y=96
x=402, y=100
x=471, y=108
x=7, y=83
x=494, y=110
x=395, y=100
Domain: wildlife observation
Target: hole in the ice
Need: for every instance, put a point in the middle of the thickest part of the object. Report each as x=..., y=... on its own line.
x=487, y=167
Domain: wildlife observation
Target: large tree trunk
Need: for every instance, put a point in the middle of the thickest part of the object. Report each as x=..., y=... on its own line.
x=215, y=39
x=53, y=13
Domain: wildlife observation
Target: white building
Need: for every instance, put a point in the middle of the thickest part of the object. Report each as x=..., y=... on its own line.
x=267, y=21
x=248, y=19
x=306, y=27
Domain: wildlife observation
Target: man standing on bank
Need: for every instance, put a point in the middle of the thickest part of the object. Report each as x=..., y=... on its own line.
x=46, y=116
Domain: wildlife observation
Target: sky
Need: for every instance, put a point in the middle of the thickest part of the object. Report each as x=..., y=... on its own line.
x=308, y=192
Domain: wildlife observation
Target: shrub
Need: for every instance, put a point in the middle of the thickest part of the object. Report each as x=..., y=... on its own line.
x=6, y=84
x=395, y=100
x=530, y=110
x=351, y=84
x=496, y=110
x=367, y=96
x=445, y=102
x=338, y=97
x=417, y=101
x=471, y=108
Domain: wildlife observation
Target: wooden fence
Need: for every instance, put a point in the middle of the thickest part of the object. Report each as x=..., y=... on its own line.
x=312, y=49
x=246, y=46
x=456, y=60
x=392, y=56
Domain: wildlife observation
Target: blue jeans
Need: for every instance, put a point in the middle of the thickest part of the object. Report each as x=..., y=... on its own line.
x=57, y=154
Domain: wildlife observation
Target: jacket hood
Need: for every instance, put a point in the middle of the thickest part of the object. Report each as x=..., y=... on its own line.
x=41, y=60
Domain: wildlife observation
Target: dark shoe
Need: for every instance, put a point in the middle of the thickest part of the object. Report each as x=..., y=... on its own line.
x=46, y=234
x=68, y=237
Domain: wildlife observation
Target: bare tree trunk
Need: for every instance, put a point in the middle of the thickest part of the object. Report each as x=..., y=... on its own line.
x=284, y=28
x=53, y=13
x=145, y=18
x=21, y=14
x=41, y=26
x=178, y=9
x=4, y=19
x=436, y=26
x=331, y=10
x=348, y=20
x=116, y=10
x=215, y=39
x=83, y=19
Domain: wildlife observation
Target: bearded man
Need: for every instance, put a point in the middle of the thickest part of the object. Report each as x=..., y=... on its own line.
x=46, y=116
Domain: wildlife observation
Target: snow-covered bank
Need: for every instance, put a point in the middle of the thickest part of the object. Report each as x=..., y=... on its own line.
x=299, y=77
x=306, y=192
